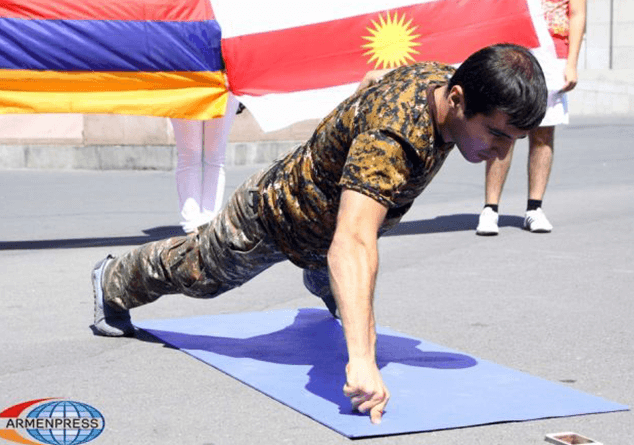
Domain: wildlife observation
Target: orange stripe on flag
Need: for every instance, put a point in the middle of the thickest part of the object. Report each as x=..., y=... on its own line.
x=187, y=95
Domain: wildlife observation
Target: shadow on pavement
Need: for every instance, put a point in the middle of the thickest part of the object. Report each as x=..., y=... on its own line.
x=449, y=223
x=444, y=223
x=153, y=234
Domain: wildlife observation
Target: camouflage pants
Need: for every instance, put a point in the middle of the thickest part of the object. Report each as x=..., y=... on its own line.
x=226, y=253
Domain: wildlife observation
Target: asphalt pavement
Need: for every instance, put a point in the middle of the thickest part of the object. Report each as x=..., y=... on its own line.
x=558, y=306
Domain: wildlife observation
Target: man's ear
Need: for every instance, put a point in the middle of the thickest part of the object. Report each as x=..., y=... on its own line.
x=456, y=98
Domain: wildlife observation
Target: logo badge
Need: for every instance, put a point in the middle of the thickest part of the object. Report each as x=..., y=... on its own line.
x=51, y=421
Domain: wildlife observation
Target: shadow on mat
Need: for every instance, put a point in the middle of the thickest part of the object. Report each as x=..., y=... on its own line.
x=153, y=234
x=316, y=339
x=449, y=223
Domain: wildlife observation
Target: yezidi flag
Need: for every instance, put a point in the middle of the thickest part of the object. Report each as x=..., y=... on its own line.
x=143, y=57
x=302, y=58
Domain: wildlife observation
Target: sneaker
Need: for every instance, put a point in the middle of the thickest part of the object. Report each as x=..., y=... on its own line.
x=488, y=223
x=196, y=221
x=108, y=321
x=206, y=216
x=318, y=283
x=191, y=215
x=536, y=221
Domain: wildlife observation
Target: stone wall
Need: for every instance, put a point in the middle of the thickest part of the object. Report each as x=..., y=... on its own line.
x=112, y=142
x=609, y=39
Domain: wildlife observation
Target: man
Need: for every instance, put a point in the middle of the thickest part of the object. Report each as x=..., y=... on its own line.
x=324, y=204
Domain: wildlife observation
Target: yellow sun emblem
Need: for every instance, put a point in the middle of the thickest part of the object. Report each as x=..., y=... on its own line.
x=392, y=42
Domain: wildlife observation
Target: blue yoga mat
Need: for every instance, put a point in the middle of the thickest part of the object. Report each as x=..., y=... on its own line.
x=297, y=357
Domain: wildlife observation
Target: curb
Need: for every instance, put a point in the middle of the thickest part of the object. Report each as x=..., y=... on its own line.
x=163, y=157
x=128, y=157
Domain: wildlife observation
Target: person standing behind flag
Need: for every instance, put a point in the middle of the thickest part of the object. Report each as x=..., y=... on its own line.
x=200, y=166
x=566, y=20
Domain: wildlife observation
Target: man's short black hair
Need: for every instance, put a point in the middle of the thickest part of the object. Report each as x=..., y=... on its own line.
x=507, y=78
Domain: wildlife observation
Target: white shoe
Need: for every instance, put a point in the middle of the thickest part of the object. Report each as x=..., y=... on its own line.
x=488, y=223
x=536, y=221
x=192, y=225
x=191, y=215
x=205, y=217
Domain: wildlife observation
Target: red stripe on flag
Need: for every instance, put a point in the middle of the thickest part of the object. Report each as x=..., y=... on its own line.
x=155, y=10
x=333, y=53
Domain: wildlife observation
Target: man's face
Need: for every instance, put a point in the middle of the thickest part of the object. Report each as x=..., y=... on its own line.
x=481, y=137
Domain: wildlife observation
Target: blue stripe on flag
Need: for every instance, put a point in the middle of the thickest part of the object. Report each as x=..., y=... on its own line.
x=109, y=45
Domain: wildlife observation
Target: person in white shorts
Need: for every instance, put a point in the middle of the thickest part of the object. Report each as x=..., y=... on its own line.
x=566, y=20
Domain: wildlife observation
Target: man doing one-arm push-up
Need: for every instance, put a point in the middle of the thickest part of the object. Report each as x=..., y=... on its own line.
x=324, y=204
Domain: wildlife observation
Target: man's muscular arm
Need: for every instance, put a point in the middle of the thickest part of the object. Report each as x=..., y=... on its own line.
x=353, y=265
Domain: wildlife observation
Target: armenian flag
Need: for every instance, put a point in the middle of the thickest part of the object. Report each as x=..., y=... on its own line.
x=143, y=57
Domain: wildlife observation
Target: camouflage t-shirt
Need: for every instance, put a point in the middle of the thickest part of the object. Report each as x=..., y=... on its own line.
x=380, y=142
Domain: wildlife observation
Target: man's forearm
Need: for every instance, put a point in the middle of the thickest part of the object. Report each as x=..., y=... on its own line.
x=353, y=266
x=577, y=28
x=353, y=263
